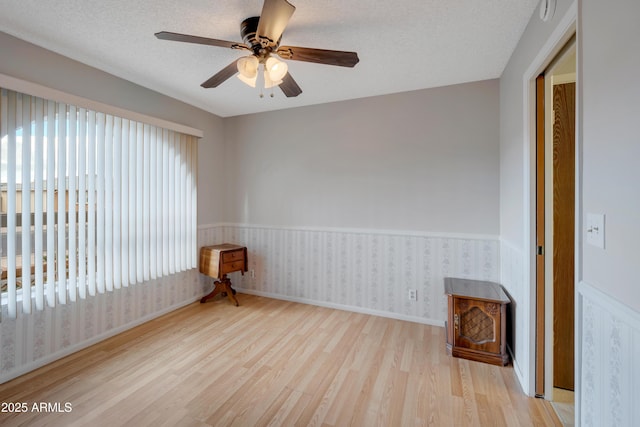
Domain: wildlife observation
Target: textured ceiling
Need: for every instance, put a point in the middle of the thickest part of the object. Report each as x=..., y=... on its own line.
x=403, y=45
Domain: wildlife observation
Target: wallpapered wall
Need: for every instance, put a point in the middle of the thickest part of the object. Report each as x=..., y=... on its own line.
x=609, y=345
x=33, y=340
x=360, y=270
x=511, y=278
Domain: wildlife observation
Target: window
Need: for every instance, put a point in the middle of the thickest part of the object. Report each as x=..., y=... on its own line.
x=89, y=201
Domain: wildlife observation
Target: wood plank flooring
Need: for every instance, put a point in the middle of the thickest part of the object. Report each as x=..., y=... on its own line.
x=272, y=363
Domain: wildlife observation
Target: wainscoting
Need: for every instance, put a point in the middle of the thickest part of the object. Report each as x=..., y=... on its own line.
x=367, y=271
x=609, y=360
x=512, y=279
x=33, y=340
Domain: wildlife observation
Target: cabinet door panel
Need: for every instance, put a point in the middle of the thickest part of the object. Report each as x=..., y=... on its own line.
x=477, y=325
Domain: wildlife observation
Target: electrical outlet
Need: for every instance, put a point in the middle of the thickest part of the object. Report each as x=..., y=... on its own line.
x=253, y=273
x=412, y=295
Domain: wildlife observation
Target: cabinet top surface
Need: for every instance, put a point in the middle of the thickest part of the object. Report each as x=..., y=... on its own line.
x=476, y=289
x=224, y=247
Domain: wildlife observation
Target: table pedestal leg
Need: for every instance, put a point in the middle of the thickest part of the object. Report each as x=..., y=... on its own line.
x=223, y=285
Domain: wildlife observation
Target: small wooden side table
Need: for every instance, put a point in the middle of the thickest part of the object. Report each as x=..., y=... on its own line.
x=219, y=260
x=477, y=320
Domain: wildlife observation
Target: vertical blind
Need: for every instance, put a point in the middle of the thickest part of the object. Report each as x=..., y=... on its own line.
x=91, y=202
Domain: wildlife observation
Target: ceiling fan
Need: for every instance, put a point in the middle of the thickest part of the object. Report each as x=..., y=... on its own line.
x=261, y=36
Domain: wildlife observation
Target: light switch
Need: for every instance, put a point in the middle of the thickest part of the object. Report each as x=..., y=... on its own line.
x=595, y=230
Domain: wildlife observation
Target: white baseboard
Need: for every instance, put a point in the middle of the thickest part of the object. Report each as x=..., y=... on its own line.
x=380, y=313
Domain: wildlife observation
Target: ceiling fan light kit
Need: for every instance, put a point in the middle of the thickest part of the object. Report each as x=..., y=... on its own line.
x=269, y=82
x=248, y=70
x=249, y=81
x=276, y=69
x=261, y=35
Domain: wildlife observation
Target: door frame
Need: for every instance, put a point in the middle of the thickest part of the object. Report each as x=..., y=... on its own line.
x=559, y=37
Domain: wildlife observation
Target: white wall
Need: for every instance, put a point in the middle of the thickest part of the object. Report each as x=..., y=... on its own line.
x=610, y=65
x=423, y=161
x=609, y=291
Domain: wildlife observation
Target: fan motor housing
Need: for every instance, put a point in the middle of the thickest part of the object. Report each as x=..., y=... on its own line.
x=248, y=31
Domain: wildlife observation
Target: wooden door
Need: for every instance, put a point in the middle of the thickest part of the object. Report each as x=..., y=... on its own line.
x=563, y=234
x=540, y=237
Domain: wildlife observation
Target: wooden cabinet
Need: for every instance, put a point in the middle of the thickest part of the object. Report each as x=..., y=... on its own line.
x=219, y=260
x=476, y=324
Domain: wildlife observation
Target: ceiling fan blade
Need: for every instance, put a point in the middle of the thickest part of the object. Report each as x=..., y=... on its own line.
x=273, y=20
x=319, y=56
x=166, y=35
x=290, y=87
x=221, y=76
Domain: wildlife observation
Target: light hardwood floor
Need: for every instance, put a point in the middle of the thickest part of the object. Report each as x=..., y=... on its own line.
x=271, y=362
